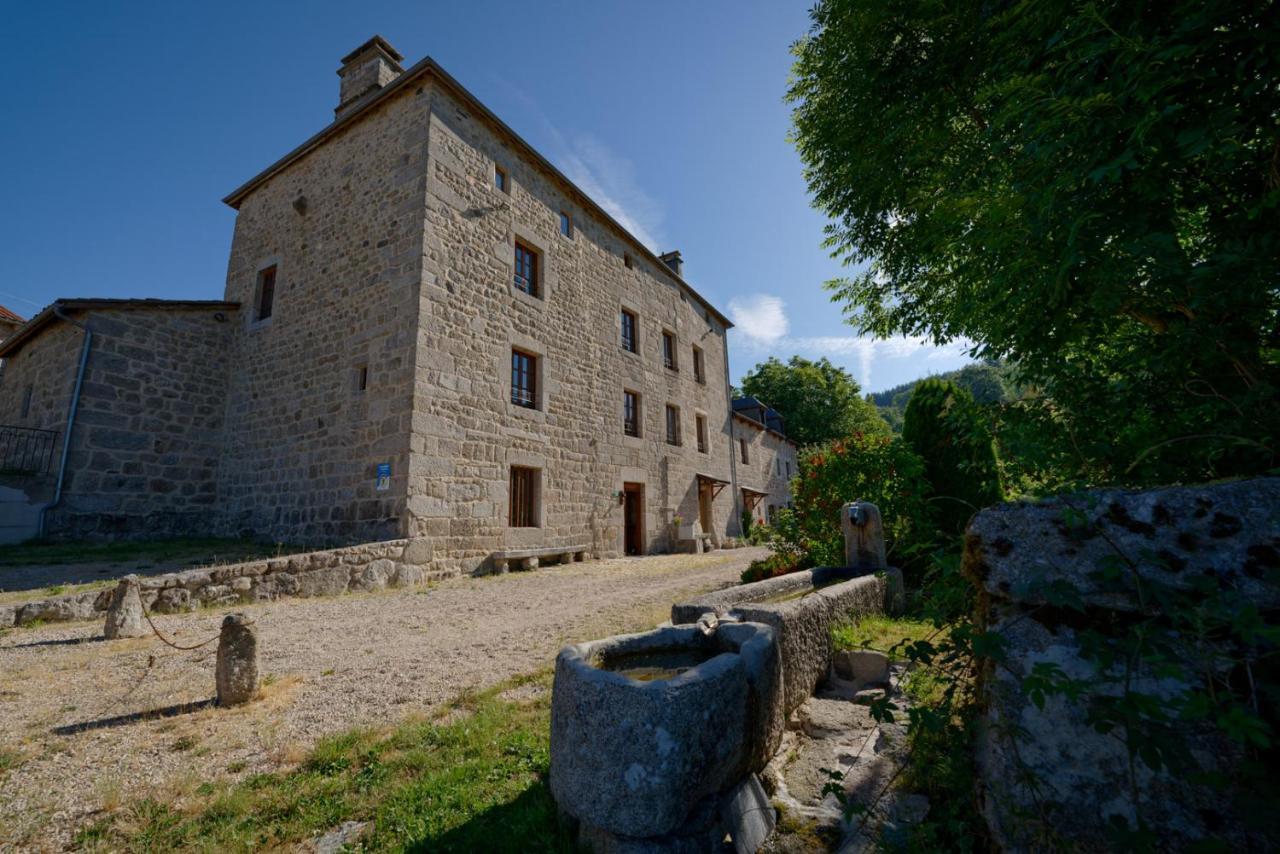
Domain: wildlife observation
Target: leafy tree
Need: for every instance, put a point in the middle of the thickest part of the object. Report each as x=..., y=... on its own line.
x=1089, y=190
x=819, y=400
x=943, y=427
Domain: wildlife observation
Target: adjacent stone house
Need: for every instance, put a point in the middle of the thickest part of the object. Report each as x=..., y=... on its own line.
x=9, y=323
x=767, y=459
x=427, y=331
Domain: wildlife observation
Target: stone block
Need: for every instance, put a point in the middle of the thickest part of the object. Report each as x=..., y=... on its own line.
x=419, y=552
x=236, y=672
x=861, y=666
x=863, y=537
x=323, y=582
x=172, y=600
x=408, y=575
x=124, y=614
x=375, y=576
x=748, y=816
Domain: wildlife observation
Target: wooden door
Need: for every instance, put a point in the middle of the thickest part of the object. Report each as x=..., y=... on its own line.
x=633, y=518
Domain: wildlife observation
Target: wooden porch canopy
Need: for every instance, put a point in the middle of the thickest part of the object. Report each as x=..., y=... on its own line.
x=751, y=497
x=714, y=484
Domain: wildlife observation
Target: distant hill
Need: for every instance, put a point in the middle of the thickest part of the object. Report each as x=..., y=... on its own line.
x=988, y=382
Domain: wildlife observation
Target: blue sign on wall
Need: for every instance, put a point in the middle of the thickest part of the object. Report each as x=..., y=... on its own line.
x=384, y=476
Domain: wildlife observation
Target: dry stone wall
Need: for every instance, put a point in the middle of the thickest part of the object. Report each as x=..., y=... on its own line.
x=365, y=567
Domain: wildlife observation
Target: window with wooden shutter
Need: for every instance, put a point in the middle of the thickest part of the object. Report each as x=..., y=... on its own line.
x=523, y=510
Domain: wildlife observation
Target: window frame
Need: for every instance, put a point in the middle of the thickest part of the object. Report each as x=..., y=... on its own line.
x=534, y=280
x=527, y=514
x=670, y=347
x=628, y=314
x=530, y=372
x=700, y=428
x=631, y=424
x=673, y=433
x=566, y=224
x=699, y=365
x=743, y=456
x=501, y=179
x=264, y=292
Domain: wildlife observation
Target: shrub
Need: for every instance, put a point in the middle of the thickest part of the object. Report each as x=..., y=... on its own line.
x=943, y=426
x=776, y=564
x=878, y=469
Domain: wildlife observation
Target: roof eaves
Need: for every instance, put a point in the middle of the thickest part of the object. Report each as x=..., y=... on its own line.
x=49, y=313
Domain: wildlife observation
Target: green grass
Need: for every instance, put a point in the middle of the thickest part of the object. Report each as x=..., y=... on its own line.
x=879, y=633
x=476, y=784
x=157, y=551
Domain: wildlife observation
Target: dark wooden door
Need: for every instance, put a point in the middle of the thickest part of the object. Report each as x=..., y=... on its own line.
x=633, y=518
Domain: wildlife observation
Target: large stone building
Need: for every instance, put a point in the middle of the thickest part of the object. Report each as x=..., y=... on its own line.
x=427, y=330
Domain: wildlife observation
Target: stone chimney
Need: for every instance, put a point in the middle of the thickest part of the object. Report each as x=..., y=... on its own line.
x=366, y=69
x=672, y=259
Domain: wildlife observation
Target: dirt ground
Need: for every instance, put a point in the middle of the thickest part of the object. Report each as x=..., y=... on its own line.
x=87, y=723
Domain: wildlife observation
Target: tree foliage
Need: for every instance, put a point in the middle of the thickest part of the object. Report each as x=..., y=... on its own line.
x=820, y=401
x=942, y=425
x=1088, y=190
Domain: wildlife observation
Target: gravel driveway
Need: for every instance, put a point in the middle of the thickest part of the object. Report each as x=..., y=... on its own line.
x=330, y=664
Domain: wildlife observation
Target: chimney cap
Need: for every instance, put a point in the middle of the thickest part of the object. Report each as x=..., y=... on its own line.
x=377, y=43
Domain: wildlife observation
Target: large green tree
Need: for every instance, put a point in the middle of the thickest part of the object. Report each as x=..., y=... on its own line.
x=1090, y=190
x=819, y=400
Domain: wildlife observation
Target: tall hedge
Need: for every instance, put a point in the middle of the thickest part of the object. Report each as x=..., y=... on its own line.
x=944, y=426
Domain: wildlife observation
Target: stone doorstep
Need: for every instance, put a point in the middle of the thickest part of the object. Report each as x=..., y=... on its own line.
x=234, y=582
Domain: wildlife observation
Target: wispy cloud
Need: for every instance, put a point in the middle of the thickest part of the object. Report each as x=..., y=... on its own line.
x=760, y=318
x=608, y=177
x=761, y=325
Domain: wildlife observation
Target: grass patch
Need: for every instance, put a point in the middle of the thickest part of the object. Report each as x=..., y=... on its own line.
x=9, y=759
x=879, y=633
x=478, y=783
x=195, y=550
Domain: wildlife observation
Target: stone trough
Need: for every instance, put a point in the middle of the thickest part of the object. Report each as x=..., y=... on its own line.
x=650, y=733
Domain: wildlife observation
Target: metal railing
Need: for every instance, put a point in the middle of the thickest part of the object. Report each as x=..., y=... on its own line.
x=26, y=450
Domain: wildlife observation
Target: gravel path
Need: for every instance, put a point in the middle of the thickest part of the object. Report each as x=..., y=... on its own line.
x=331, y=664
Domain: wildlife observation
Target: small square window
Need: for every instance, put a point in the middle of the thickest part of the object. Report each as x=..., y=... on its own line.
x=524, y=379
x=525, y=487
x=265, y=302
x=630, y=413
x=630, y=326
x=628, y=261
x=699, y=370
x=526, y=269
x=566, y=224
x=669, y=350
x=500, y=179
x=673, y=425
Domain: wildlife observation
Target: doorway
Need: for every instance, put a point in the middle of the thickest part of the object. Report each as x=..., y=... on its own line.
x=705, y=497
x=633, y=518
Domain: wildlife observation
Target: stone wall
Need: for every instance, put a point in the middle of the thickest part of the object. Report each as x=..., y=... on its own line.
x=365, y=567
x=1069, y=582
x=467, y=434
x=772, y=462
x=343, y=226
x=148, y=431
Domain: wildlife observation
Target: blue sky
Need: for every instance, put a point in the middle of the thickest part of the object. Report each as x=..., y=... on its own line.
x=127, y=123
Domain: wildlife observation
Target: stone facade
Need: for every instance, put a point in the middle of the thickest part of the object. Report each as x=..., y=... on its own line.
x=374, y=401
x=770, y=462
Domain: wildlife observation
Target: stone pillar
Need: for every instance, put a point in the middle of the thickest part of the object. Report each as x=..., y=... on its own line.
x=863, y=537
x=124, y=614
x=237, y=669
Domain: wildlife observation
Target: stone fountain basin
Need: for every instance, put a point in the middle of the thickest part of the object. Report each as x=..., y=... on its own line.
x=635, y=756
x=801, y=607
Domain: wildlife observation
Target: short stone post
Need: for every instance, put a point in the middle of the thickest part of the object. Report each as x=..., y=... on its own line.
x=237, y=669
x=863, y=537
x=124, y=613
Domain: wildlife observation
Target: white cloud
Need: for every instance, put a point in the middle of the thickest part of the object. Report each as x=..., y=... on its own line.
x=760, y=318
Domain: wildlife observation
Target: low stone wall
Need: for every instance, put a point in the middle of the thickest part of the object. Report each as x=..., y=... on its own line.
x=368, y=566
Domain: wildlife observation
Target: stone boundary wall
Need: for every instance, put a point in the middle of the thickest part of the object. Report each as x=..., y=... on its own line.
x=364, y=567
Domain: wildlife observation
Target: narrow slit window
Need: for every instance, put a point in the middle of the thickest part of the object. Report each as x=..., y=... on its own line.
x=630, y=413
x=526, y=276
x=523, y=507
x=669, y=350
x=27, y=394
x=702, y=433
x=743, y=456
x=266, y=292
x=524, y=379
x=500, y=179
x=630, y=342
x=699, y=370
x=673, y=425
x=362, y=377
x=566, y=224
